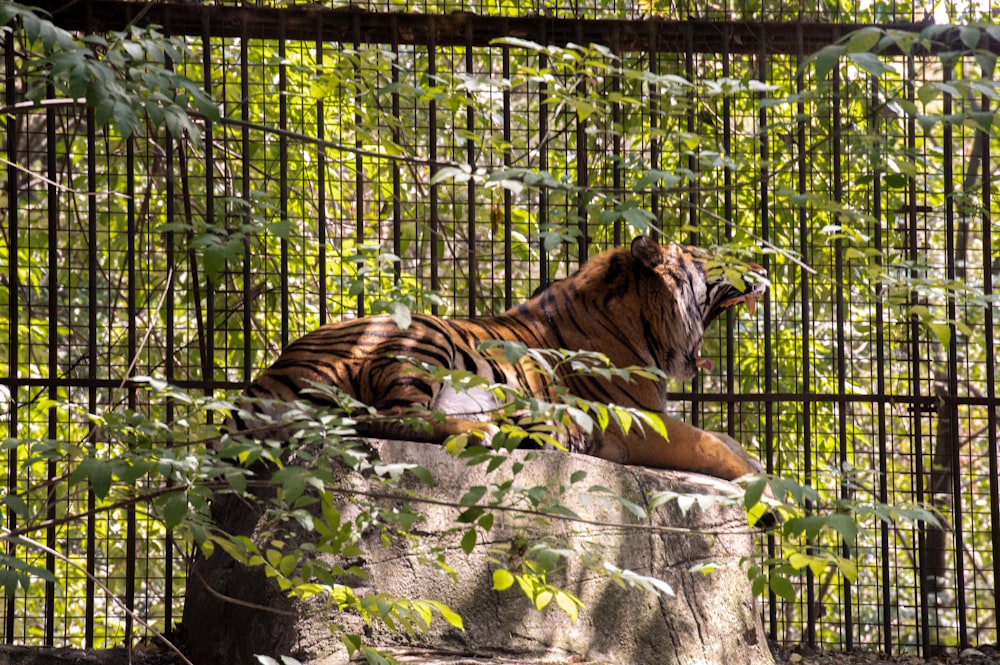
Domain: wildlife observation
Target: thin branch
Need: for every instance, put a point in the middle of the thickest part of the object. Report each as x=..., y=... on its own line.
x=383, y=496
x=118, y=601
x=236, y=601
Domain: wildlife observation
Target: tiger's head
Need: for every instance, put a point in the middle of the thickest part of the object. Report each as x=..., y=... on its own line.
x=683, y=290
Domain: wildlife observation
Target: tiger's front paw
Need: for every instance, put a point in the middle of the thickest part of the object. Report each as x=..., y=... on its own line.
x=738, y=450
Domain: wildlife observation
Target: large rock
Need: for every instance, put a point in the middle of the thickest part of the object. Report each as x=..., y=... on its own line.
x=712, y=618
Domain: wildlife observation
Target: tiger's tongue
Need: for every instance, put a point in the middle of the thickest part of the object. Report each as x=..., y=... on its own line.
x=705, y=364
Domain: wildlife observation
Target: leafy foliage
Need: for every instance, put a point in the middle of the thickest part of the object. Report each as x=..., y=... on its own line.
x=126, y=77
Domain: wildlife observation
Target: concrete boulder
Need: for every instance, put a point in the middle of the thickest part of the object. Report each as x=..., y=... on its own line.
x=232, y=613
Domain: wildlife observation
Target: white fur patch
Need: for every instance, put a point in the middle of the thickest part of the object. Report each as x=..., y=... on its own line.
x=472, y=404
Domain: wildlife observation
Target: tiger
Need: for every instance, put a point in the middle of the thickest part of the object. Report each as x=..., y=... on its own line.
x=643, y=306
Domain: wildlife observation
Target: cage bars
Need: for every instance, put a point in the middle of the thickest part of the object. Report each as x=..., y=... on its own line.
x=807, y=403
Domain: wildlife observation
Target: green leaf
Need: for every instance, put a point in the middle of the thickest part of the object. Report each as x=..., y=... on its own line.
x=470, y=515
x=423, y=475
x=827, y=58
x=871, y=63
x=864, y=39
x=351, y=641
x=848, y=569
x=99, y=473
x=237, y=480
x=400, y=314
x=798, y=560
x=459, y=174
x=543, y=598
x=448, y=614
x=472, y=496
x=174, y=510
x=502, y=579
x=469, y=541
x=486, y=522
x=970, y=36
x=808, y=526
x=754, y=492
x=567, y=604
x=846, y=526
x=17, y=505
x=640, y=219
x=782, y=587
x=941, y=330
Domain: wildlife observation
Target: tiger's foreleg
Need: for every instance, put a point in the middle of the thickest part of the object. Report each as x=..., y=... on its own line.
x=686, y=449
x=419, y=425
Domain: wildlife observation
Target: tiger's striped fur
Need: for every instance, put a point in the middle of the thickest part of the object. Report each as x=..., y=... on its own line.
x=644, y=306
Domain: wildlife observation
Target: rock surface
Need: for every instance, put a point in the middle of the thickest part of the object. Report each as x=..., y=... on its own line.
x=711, y=618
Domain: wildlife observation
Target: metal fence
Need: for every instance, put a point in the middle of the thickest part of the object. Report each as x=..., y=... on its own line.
x=362, y=150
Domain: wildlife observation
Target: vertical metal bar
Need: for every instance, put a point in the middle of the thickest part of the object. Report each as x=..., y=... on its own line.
x=915, y=374
x=582, y=175
x=397, y=181
x=765, y=234
x=245, y=195
x=324, y=307
x=14, y=289
x=841, y=354
x=617, y=167
x=52, y=278
x=543, y=163
x=170, y=304
x=991, y=362
x=654, y=111
x=132, y=401
x=283, y=174
x=90, y=547
x=359, y=162
x=470, y=157
x=207, y=320
x=802, y=169
x=952, y=272
x=92, y=275
x=691, y=118
x=432, y=155
x=883, y=448
x=508, y=222
x=727, y=206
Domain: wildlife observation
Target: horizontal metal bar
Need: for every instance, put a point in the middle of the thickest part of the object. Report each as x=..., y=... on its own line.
x=927, y=401
x=309, y=22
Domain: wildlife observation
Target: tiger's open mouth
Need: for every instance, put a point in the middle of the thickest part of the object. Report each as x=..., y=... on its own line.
x=755, y=284
x=757, y=281
x=749, y=298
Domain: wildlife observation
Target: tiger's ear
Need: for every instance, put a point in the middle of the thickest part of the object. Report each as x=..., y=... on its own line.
x=647, y=252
